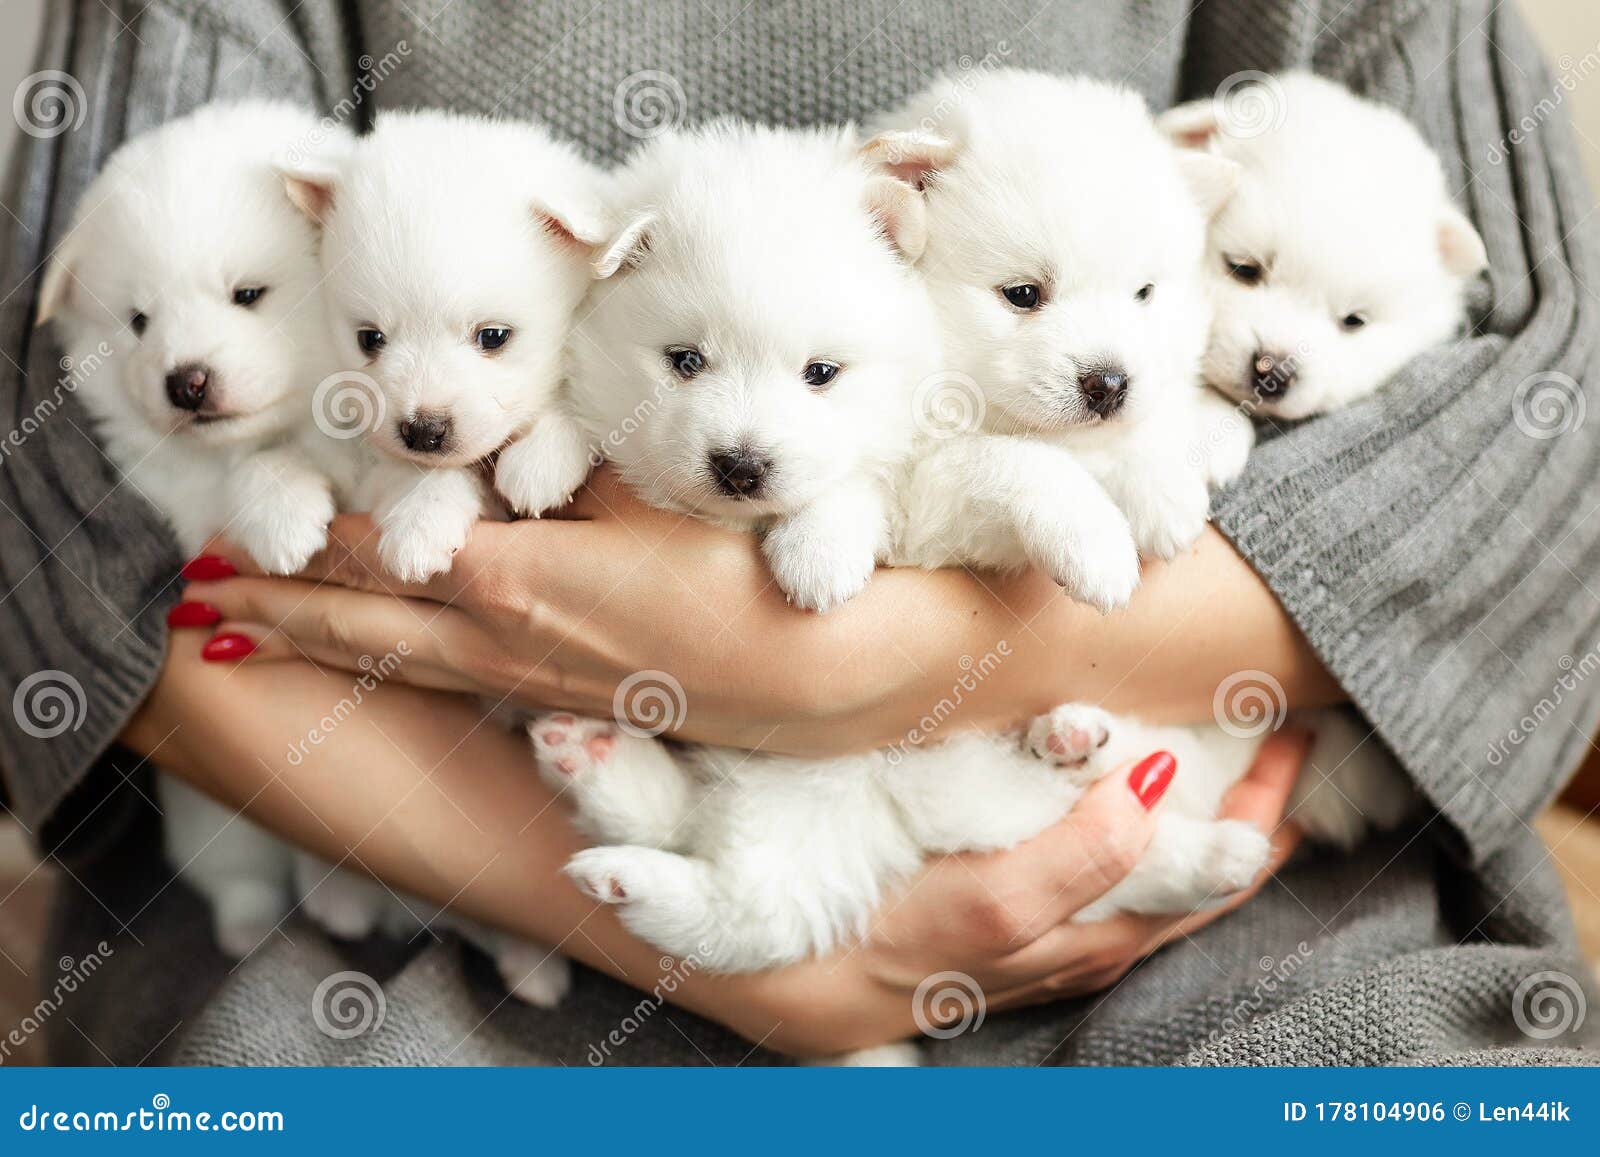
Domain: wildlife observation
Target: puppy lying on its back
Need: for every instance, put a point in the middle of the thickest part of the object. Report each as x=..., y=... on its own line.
x=456, y=250
x=1341, y=256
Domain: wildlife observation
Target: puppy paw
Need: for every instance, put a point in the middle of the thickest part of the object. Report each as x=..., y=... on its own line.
x=566, y=748
x=244, y=913
x=534, y=974
x=421, y=527
x=345, y=905
x=816, y=574
x=609, y=875
x=1069, y=737
x=1236, y=855
x=541, y=471
x=1091, y=556
x=283, y=531
x=1170, y=514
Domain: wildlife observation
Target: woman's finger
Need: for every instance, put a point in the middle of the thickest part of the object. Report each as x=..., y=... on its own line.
x=333, y=621
x=234, y=642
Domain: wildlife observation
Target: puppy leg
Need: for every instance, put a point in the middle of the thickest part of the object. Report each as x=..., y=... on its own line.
x=824, y=554
x=624, y=788
x=1191, y=864
x=1350, y=783
x=534, y=973
x=279, y=507
x=988, y=500
x=1225, y=439
x=423, y=516
x=541, y=470
x=343, y=903
x=1155, y=479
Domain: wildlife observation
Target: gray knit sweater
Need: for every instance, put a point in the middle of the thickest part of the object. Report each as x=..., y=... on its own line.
x=1434, y=543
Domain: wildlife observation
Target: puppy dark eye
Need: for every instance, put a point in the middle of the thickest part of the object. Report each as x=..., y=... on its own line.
x=249, y=295
x=492, y=337
x=370, y=341
x=1025, y=296
x=1353, y=321
x=686, y=361
x=137, y=323
x=1145, y=293
x=819, y=374
x=1244, y=272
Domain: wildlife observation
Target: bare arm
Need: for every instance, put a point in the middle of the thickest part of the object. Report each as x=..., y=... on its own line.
x=560, y=614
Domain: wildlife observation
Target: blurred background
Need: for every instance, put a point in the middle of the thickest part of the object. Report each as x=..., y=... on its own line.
x=1570, y=32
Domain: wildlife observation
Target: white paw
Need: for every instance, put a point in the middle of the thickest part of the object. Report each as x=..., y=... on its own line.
x=1237, y=854
x=345, y=905
x=416, y=550
x=565, y=747
x=1227, y=441
x=1094, y=559
x=535, y=975
x=815, y=573
x=244, y=913
x=901, y=1055
x=534, y=477
x=1069, y=737
x=609, y=875
x=282, y=533
x=1171, y=514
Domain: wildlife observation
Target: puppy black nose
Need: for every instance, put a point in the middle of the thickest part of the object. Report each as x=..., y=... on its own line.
x=1105, y=389
x=1271, y=374
x=426, y=433
x=739, y=473
x=186, y=386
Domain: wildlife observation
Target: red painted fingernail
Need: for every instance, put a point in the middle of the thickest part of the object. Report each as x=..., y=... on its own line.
x=208, y=567
x=1151, y=777
x=225, y=647
x=193, y=615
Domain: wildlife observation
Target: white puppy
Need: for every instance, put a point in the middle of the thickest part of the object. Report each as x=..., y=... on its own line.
x=753, y=356
x=187, y=287
x=1065, y=239
x=456, y=250
x=747, y=860
x=1340, y=257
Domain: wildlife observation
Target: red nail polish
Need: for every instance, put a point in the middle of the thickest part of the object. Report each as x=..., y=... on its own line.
x=1151, y=777
x=193, y=615
x=207, y=568
x=227, y=647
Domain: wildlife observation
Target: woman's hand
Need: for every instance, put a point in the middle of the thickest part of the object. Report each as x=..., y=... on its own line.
x=577, y=614
x=408, y=786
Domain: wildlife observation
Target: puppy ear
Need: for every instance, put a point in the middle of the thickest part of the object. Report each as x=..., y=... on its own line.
x=1192, y=125
x=1211, y=179
x=900, y=213
x=581, y=225
x=311, y=186
x=627, y=248
x=911, y=157
x=1460, y=246
x=56, y=289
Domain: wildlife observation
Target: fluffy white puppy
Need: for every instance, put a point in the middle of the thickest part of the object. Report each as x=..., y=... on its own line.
x=1065, y=240
x=1340, y=257
x=456, y=250
x=753, y=355
x=186, y=290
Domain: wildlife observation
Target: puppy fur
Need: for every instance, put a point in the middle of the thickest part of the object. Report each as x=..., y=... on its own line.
x=1065, y=238
x=749, y=860
x=456, y=251
x=1340, y=257
x=149, y=270
x=749, y=259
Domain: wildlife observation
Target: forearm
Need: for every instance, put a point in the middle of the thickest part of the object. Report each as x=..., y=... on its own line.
x=418, y=789
x=954, y=650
